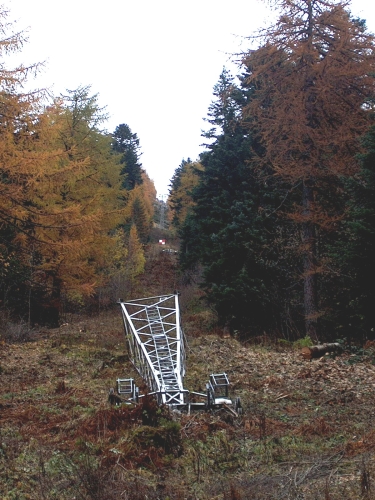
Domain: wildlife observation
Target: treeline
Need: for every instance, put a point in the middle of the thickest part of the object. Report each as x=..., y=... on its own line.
x=76, y=207
x=277, y=218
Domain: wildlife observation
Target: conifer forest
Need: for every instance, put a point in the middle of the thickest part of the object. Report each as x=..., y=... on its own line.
x=268, y=237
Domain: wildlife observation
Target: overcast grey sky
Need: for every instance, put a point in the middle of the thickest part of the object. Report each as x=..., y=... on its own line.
x=152, y=62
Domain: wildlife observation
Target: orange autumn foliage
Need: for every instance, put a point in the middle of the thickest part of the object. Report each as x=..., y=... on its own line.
x=59, y=186
x=313, y=90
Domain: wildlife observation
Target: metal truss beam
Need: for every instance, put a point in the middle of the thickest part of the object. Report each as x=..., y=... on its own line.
x=156, y=345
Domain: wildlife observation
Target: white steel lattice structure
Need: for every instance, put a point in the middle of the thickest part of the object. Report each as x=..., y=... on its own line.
x=156, y=345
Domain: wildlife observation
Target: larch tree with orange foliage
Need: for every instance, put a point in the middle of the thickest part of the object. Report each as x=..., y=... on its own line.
x=184, y=181
x=19, y=163
x=77, y=198
x=141, y=203
x=313, y=80
x=59, y=194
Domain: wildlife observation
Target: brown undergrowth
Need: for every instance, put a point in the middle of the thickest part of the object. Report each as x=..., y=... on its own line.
x=307, y=430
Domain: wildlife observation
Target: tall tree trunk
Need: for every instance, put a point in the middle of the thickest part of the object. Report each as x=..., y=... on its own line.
x=309, y=263
x=53, y=313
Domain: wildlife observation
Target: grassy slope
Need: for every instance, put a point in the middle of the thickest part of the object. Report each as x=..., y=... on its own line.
x=307, y=430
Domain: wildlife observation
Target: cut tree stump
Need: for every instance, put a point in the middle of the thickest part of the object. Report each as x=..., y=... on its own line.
x=317, y=351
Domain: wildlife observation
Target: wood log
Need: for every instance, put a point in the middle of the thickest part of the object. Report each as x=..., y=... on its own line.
x=317, y=351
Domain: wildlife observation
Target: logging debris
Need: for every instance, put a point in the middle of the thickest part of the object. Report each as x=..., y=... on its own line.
x=317, y=351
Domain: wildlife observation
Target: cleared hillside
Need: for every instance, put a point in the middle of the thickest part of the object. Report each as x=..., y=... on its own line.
x=307, y=430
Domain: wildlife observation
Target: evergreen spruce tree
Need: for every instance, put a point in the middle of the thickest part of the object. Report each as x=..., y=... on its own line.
x=229, y=230
x=352, y=296
x=125, y=142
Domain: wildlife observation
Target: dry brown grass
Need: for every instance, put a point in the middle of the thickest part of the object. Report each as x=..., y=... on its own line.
x=307, y=430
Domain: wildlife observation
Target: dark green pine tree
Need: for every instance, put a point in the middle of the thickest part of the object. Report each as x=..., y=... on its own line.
x=127, y=144
x=229, y=231
x=354, y=251
x=15, y=276
x=364, y=232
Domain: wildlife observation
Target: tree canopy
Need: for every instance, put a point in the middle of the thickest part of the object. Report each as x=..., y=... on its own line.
x=61, y=197
x=283, y=159
x=127, y=144
x=275, y=217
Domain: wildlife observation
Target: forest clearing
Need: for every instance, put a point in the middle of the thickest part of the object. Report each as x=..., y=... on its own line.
x=307, y=426
x=268, y=240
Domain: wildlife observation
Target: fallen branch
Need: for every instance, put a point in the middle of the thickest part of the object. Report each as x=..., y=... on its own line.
x=317, y=351
x=230, y=410
x=282, y=396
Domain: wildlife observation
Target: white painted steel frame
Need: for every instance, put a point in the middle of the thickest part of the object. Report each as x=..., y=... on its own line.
x=156, y=345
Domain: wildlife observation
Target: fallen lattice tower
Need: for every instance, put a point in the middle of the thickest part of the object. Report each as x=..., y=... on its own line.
x=156, y=346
